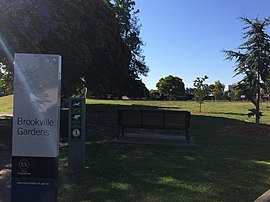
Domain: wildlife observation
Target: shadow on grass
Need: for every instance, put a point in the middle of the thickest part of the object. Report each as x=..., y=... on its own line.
x=224, y=166
x=5, y=132
x=231, y=113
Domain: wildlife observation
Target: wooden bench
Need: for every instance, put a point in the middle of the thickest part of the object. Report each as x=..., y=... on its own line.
x=154, y=119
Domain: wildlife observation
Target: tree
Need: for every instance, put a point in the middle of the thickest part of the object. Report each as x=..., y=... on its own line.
x=265, y=92
x=172, y=86
x=218, y=90
x=86, y=34
x=189, y=94
x=154, y=94
x=201, y=90
x=253, y=62
x=236, y=94
x=138, y=89
x=6, y=80
x=130, y=32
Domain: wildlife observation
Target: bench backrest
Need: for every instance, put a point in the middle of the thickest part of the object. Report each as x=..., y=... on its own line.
x=154, y=119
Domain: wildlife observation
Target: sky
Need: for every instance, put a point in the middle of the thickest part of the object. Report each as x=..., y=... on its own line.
x=185, y=38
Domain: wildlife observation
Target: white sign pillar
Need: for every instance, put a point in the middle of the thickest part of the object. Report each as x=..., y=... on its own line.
x=36, y=124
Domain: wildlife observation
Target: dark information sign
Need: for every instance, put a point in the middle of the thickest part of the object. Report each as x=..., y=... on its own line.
x=76, y=133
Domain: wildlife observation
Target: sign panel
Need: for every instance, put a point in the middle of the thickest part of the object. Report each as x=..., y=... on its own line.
x=76, y=154
x=36, y=105
x=36, y=124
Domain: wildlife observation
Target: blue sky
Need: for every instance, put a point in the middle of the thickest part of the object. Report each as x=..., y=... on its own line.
x=184, y=38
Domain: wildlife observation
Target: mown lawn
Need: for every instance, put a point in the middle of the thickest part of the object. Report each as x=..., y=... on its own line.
x=6, y=104
x=233, y=110
x=224, y=165
x=228, y=162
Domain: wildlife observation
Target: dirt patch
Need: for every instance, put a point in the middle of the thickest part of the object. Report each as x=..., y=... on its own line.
x=198, y=112
x=261, y=132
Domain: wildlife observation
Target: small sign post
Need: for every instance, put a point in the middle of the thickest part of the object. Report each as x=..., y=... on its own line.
x=36, y=121
x=76, y=136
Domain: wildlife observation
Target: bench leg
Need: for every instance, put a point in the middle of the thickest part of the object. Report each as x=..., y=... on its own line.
x=118, y=132
x=122, y=131
x=187, y=137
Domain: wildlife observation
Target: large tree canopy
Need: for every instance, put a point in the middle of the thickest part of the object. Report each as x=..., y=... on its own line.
x=130, y=32
x=126, y=14
x=85, y=32
x=172, y=86
x=253, y=61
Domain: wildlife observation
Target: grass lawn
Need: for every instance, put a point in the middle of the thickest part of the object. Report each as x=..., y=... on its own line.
x=229, y=162
x=233, y=110
x=6, y=104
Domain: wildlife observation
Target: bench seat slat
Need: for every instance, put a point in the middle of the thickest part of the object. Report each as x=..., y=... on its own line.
x=152, y=119
x=131, y=118
x=175, y=120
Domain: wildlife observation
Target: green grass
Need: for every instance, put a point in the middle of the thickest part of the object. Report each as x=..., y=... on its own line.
x=222, y=166
x=233, y=110
x=6, y=104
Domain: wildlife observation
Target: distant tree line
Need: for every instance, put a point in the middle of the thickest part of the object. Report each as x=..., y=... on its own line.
x=173, y=88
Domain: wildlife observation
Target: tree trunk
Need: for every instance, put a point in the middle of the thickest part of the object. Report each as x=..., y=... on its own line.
x=258, y=100
x=258, y=110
